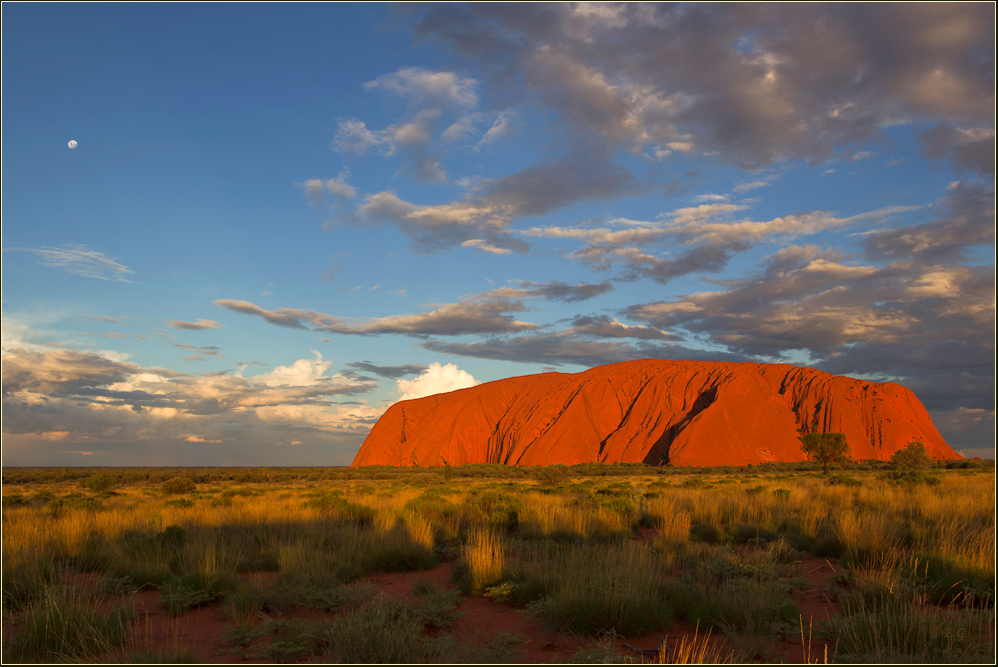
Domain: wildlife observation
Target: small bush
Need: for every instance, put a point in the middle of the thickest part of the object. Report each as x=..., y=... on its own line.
x=178, y=485
x=187, y=592
x=100, y=483
x=552, y=475
x=913, y=457
x=843, y=480
x=911, y=476
x=436, y=607
x=706, y=532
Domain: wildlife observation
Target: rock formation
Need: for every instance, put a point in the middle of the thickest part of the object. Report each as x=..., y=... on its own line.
x=657, y=412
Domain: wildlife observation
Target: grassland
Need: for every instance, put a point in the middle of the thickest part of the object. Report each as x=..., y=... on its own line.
x=596, y=552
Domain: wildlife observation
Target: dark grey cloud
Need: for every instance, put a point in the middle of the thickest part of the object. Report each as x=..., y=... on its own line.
x=561, y=348
x=486, y=213
x=967, y=220
x=755, y=82
x=701, y=259
x=603, y=326
x=478, y=314
x=207, y=350
x=556, y=290
x=391, y=372
x=61, y=372
x=970, y=150
x=809, y=299
x=484, y=313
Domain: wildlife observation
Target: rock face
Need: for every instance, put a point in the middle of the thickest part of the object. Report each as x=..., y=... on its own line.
x=657, y=412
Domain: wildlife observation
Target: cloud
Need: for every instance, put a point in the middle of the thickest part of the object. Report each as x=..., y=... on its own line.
x=969, y=150
x=352, y=136
x=483, y=313
x=80, y=260
x=501, y=127
x=428, y=88
x=193, y=326
x=603, y=326
x=480, y=314
x=704, y=240
x=484, y=216
x=968, y=220
x=554, y=290
x=388, y=371
x=485, y=246
x=561, y=348
x=754, y=83
x=436, y=379
x=84, y=398
x=303, y=373
x=198, y=438
x=200, y=352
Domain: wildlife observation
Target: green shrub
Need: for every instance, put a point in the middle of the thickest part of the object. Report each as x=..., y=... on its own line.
x=179, y=502
x=911, y=476
x=436, y=607
x=189, y=591
x=497, y=508
x=706, y=532
x=826, y=448
x=178, y=485
x=552, y=475
x=744, y=534
x=912, y=457
x=100, y=483
x=842, y=480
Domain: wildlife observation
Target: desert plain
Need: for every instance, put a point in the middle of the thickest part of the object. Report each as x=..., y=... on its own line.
x=871, y=562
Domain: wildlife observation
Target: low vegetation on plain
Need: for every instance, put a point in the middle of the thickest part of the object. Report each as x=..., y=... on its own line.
x=594, y=551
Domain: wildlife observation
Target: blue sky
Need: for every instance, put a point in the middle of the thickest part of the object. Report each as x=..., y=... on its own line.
x=279, y=220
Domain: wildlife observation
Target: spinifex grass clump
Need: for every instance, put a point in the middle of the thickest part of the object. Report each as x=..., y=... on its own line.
x=594, y=588
x=743, y=595
x=386, y=630
x=695, y=650
x=484, y=559
x=898, y=630
x=68, y=624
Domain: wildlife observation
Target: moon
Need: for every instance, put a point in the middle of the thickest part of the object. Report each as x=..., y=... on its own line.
x=72, y=143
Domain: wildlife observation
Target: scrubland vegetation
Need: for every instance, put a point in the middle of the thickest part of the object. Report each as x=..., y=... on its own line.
x=594, y=551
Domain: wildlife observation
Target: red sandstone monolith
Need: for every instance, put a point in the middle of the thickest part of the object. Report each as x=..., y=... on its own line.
x=657, y=412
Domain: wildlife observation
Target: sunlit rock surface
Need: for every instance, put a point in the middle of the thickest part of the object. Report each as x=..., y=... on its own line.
x=657, y=412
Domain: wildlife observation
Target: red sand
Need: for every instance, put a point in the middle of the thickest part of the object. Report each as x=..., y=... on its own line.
x=201, y=632
x=678, y=412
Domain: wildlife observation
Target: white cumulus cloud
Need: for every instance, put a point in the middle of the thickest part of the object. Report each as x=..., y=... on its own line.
x=436, y=379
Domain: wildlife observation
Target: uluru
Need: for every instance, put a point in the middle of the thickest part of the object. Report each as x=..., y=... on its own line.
x=652, y=411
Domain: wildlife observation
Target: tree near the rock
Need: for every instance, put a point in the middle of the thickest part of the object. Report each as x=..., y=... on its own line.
x=826, y=448
x=911, y=457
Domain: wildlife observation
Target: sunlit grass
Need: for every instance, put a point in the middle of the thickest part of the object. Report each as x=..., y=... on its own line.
x=565, y=551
